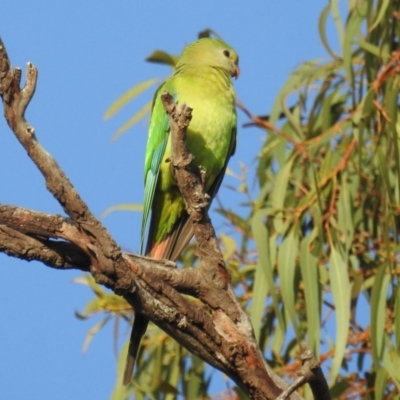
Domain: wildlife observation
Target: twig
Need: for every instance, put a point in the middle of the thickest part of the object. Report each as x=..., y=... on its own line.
x=300, y=147
x=312, y=374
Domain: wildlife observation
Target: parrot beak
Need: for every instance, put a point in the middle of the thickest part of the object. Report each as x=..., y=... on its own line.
x=236, y=72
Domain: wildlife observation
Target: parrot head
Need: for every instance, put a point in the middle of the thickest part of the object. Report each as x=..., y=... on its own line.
x=210, y=52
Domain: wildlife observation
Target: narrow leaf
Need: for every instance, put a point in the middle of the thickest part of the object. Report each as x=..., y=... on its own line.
x=121, y=207
x=132, y=121
x=380, y=383
x=93, y=331
x=378, y=309
x=287, y=268
x=264, y=276
x=341, y=290
x=128, y=96
x=162, y=57
x=322, y=31
x=310, y=274
x=383, y=5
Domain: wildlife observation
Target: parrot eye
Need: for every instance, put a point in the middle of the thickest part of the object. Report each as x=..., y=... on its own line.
x=226, y=53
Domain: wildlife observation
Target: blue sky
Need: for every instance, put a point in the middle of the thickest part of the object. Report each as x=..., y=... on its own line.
x=88, y=54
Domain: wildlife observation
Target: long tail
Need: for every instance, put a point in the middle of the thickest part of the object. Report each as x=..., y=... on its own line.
x=138, y=330
x=167, y=249
x=170, y=249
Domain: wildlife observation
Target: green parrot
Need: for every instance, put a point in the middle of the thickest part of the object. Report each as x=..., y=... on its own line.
x=202, y=80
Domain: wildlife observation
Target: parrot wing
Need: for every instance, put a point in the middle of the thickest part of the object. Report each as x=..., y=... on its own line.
x=181, y=235
x=157, y=143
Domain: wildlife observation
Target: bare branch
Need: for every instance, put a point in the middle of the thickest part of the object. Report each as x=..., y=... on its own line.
x=15, y=101
x=34, y=222
x=218, y=331
x=312, y=374
x=59, y=255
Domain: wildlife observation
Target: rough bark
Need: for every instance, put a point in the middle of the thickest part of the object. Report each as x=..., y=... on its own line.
x=219, y=331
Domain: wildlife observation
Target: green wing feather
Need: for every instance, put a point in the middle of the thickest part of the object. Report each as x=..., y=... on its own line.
x=156, y=145
x=211, y=139
x=183, y=230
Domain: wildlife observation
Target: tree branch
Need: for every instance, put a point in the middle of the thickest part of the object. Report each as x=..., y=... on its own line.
x=312, y=374
x=218, y=331
x=58, y=255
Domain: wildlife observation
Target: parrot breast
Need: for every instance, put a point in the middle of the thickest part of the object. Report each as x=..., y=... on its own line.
x=209, y=92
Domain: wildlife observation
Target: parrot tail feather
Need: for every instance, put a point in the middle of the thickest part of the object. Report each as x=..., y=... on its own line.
x=169, y=248
x=158, y=249
x=138, y=330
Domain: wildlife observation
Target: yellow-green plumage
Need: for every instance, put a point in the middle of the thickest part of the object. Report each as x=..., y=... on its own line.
x=202, y=79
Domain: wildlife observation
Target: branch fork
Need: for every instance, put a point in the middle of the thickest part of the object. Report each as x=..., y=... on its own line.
x=219, y=331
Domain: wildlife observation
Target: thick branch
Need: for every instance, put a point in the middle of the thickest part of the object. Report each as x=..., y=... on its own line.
x=219, y=331
x=15, y=101
x=59, y=255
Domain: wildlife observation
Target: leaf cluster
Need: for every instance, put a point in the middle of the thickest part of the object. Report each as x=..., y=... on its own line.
x=326, y=219
x=315, y=260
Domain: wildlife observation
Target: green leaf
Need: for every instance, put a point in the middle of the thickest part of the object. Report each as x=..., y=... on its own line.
x=236, y=220
x=93, y=331
x=310, y=275
x=278, y=339
x=168, y=389
x=132, y=121
x=121, y=207
x=335, y=10
x=397, y=317
x=287, y=267
x=378, y=311
x=383, y=6
x=229, y=244
x=88, y=280
x=121, y=392
x=322, y=31
x=380, y=383
x=128, y=96
x=341, y=290
x=391, y=362
x=162, y=57
x=264, y=276
x=374, y=50
x=352, y=29
x=345, y=213
x=278, y=195
x=196, y=385
x=338, y=389
x=385, y=174
x=391, y=95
